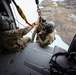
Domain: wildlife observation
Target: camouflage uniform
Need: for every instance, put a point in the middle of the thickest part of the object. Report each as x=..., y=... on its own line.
x=44, y=38
x=12, y=39
x=38, y=28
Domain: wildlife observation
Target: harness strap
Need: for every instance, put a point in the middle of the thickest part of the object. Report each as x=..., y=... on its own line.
x=54, y=64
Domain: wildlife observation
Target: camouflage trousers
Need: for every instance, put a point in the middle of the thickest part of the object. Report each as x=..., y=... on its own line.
x=48, y=40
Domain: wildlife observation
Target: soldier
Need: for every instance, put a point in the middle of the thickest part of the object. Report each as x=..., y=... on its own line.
x=38, y=27
x=45, y=35
x=12, y=40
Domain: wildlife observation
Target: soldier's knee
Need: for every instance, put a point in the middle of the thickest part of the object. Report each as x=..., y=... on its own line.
x=26, y=39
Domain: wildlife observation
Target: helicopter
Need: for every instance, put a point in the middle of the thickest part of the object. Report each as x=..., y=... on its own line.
x=32, y=60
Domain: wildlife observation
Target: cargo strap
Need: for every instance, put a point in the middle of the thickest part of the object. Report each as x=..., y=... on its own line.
x=21, y=13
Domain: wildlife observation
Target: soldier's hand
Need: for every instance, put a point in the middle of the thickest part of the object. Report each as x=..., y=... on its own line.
x=16, y=31
x=33, y=24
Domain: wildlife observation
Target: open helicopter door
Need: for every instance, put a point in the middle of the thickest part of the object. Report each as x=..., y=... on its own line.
x=32, y=60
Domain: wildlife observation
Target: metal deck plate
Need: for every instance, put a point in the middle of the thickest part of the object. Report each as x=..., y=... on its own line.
x=32, y=60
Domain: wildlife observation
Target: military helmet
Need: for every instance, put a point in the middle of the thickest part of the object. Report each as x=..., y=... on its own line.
x=4, y=25
x=50, y=26
x=43, y=19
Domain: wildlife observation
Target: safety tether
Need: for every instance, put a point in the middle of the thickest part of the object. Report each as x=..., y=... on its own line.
x=38, y=9
x=39, y=14
x=21, y=13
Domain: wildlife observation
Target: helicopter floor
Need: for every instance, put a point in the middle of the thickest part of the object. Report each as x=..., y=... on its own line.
x=32, y=60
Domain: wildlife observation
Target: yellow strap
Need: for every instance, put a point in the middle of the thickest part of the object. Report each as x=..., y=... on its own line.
x=21, y=13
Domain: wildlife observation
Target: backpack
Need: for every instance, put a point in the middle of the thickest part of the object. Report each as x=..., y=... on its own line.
x=64, y=63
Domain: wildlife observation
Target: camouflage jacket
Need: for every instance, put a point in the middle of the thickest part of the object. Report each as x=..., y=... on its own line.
x=43, y=39
x=36, y=31
x=11, y=39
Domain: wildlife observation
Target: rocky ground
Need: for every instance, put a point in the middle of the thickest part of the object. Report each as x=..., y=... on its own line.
x=61, y=14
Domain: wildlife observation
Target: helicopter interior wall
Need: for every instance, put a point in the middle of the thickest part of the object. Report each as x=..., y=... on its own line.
x=5, y=10
x=2, y=8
